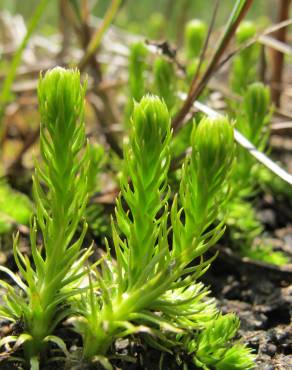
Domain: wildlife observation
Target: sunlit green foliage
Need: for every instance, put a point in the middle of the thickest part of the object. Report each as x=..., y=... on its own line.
x=60, y=205
x=214, y=349
x=151, y=288
x=147, y=281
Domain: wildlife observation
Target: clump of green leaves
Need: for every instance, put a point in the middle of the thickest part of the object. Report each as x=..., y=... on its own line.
x=244, y=66
x=60, y=192
x=15, y=207
x=152, y=285
x=214, y=349
x=253, y=124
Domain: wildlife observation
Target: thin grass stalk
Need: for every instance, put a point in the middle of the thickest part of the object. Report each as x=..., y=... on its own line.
x=239, y=11
x=205, y=46
x=97, y=37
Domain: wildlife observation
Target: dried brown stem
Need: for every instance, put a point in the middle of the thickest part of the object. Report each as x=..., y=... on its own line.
x=263, y=64
x=196, y=90
x=205, y=46
x=278, y=57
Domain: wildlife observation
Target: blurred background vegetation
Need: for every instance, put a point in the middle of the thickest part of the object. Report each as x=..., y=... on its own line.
x=135, y=15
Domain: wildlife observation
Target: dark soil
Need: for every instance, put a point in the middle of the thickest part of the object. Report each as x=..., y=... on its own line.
x=261, y=295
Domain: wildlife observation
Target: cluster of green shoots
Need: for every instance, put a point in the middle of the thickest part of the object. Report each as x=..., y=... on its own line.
x=252, y=121
x=147, y=283
x=245, y=227
x=60, y=192
x=158, y=73
x=252, y=116
x=164, y=77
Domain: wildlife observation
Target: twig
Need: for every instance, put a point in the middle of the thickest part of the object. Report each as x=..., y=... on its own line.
x=205, y=46
x=276, y=44
x=239, y=11
x=281, y=126
x=257, y=38
x=263, y=64
x=278, y=57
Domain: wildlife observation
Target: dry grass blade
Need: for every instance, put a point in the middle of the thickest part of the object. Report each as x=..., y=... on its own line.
x=276, y=44
x=239, y=11
x=281, y=126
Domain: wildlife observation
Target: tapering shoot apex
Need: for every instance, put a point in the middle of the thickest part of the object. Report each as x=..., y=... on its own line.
x=60, y=91
x=245, y=31
x=256, y=103
x=213, y=143
x=197, y=27
x=257, y=99
x=195, y=34
x=151, y=119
